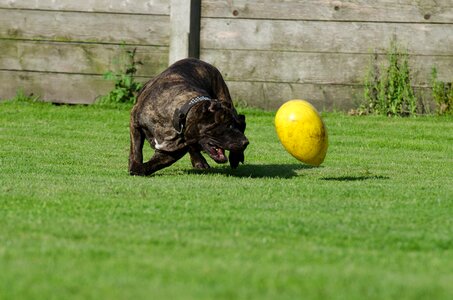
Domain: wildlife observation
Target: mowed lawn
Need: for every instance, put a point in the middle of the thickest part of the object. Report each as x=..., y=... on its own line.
x=375, y=221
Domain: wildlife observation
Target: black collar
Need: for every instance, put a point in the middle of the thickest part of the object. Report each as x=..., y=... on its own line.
x=179, y=117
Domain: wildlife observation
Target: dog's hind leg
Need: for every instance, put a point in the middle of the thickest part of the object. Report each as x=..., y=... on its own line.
x=198, y=161
x=137, y=141
x=158, y=161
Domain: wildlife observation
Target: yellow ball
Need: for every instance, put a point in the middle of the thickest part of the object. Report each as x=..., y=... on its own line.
x=302, y=131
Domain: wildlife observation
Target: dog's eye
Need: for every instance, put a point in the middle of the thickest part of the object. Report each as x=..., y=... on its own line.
x=231, y=126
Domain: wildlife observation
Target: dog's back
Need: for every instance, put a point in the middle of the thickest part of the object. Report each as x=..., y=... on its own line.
x=184, y=75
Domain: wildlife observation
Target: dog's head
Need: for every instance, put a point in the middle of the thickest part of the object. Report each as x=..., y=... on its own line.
x=217, y=127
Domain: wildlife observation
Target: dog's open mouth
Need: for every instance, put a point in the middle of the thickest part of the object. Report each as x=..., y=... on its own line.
x=217, y=154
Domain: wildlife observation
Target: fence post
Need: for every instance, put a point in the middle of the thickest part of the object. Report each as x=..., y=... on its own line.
x=184, y=29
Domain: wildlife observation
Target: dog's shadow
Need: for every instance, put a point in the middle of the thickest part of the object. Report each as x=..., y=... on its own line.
x=257, y=171
x=283, y=171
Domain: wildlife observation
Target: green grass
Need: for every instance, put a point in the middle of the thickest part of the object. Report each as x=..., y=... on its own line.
x=375, y=221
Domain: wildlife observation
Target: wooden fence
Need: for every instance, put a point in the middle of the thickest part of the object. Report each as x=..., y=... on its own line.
x=60, y=49
x=268, y=51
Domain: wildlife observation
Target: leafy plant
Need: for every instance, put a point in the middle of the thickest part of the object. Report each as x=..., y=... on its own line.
x=22, y=97
x=442, y=94
x=388, y=90
x=126, y=87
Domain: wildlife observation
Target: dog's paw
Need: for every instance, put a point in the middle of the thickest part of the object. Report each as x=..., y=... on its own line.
x=199, y=162
x=201, y=165
x=136, y=168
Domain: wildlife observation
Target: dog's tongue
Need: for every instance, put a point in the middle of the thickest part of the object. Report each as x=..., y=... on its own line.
x=218, y=154
x=221, y=153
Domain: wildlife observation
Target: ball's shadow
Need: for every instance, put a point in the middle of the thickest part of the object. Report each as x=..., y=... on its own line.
x=355, y=178
x=257, y=171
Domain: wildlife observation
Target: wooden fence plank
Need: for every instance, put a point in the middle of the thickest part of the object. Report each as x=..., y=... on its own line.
x=440, y=11
x=84, y=89
x=67, y=88
x=343, y=37
x=151, y=7
x=318, y=68
x=84, y=27
x=56, y=87
x=78, y=58
x=270, y=95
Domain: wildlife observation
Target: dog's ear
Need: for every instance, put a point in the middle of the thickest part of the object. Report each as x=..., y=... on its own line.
x=241, y=123
x=235, y=158
x=214, y=106
x=227, y=104
x=208, y=107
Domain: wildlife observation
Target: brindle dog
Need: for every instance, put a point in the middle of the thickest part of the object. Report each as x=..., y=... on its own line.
x=187, y=108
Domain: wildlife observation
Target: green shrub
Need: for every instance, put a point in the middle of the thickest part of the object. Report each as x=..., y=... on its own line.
x=22, y=97
x=442, y=94
x=126, y=87
x=388, y=90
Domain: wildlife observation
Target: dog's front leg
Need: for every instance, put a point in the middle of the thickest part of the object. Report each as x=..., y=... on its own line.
x=158, y=161
x=198, y=161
